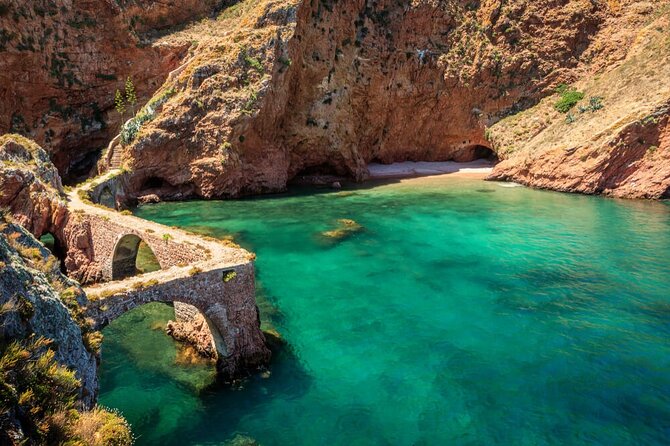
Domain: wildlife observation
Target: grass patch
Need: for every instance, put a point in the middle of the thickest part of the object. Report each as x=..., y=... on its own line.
x=568, y=98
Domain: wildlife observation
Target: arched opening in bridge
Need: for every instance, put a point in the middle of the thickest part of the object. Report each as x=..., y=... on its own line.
x=107, y=198
x=132, y=256
x=54, y=245
x=137, y=342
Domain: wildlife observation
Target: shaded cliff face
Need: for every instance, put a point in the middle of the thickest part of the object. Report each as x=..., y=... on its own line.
x=60, y=63
x=620, y=147
x=276, y=89
x=40, y=301
x=48, y=352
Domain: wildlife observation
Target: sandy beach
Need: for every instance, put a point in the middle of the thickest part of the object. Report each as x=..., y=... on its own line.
x=411, y=170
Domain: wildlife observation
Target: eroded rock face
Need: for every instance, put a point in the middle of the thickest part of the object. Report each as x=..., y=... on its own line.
x=61, y=61
x=616, y=141
x=634, y=163
x=32, y=287
x=324, y=87
x=191, y=327
x=30, y=187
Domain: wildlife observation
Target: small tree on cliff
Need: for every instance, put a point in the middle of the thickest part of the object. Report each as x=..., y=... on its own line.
x=120, y=104
x=131, y=97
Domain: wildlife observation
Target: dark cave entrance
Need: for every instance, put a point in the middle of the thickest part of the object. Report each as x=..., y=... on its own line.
x=80, y=169
x=323, y=169
x=153, y=183
x=53, y=244
x=475, y=152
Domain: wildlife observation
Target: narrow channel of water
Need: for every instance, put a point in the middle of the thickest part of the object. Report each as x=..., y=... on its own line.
x=460, y=312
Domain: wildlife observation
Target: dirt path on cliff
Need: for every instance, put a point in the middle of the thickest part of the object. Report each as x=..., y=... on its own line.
x=216, y=253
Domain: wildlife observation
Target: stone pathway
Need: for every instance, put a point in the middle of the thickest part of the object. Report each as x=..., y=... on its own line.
x=216, y=254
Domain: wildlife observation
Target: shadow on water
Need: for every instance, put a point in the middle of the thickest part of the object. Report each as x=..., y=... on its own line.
x=148, y=387
x=223, y=407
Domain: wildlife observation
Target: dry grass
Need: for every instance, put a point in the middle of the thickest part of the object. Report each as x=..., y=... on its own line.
x=102, y=427
x=630, y=91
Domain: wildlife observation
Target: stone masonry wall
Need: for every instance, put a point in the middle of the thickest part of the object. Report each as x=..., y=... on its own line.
x=97, y=239
x=227, y=303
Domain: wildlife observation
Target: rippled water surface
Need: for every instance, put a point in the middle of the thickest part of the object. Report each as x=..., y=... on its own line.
x=461, y=312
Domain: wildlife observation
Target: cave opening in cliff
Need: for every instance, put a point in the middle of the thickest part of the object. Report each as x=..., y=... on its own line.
x=53, y=244
x=478, y=152
x=133, y=256
x=82, y=168
x=153, y=183
x=317, y=174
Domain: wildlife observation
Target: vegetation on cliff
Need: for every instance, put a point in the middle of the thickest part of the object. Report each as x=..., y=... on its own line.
x=606, y=133
x=48, y=352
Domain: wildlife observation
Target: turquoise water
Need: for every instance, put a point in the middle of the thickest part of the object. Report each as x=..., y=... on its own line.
x=461, y=312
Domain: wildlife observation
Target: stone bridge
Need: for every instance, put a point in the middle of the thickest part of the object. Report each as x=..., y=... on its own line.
x=215, y=277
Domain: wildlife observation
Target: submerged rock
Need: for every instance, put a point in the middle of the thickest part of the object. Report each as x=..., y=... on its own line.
x=347, y=228
x=242, y=440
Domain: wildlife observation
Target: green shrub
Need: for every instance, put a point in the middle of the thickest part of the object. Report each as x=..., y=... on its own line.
x=132, y=127
x=148, y=113
x=229, y=275
x=569, y=97
x=105, y=76
x=93, y=341
x=252, y=62
x=32, y=380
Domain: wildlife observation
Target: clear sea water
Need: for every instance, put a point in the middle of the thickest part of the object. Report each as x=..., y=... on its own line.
x=461, y=313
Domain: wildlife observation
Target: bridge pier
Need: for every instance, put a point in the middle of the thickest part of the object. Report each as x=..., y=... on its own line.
x=224, y=296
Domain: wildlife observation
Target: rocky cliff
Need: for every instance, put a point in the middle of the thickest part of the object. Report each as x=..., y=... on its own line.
x=616, y=139
x=30, y=187
x=61, y=61
x=276, y=90
x=266, y=91
x=43, y=302
x=48, y=352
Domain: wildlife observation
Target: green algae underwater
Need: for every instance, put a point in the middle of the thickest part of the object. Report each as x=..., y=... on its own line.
x=459, y=312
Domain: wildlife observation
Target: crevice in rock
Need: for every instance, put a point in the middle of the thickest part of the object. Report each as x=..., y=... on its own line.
x=56, y=247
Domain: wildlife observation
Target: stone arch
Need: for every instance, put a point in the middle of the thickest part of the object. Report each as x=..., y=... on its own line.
x=225, y=301
x=124, y=256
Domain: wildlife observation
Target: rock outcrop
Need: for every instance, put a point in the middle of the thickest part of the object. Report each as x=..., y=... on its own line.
x=615, y=141
x=60, y=63
x=43, y=302
x=276, y=89
x=30, y=187
x=31, y=191
x=191, y=327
